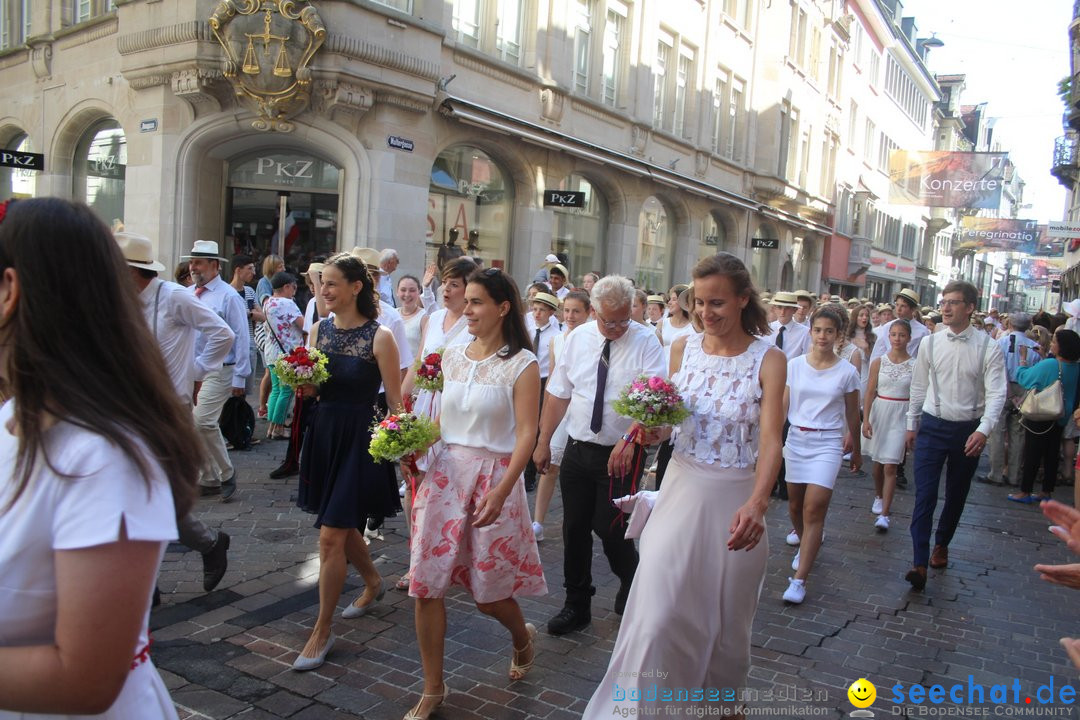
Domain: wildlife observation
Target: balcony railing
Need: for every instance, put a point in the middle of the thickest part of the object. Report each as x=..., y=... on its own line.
x=1066, y=160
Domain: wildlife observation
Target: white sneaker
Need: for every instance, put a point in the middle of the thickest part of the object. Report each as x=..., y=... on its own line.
x=882, y=523
x=401, y=490
x=847, y=457
x=792, y=537
x=796, y=591
x=538, y=531
x=876, y=507
x=795, y=563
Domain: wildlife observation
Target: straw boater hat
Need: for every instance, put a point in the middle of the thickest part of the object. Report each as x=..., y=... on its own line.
x=910, y=296
x=658, y=299
x=686, y=301
x=835, y=299
x=138, y=251
x=801, y=294
x=368, y=256
x=546, y=299
x=785, y=299
x=561, y=268
x=884, y=306
x=315, y=268
x=206, y=249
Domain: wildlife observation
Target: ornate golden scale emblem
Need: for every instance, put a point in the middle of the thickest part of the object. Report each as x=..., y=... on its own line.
x=250, y=32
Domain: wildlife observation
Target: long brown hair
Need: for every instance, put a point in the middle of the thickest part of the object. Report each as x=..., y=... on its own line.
x=68, y=361
x=754, y=319
x=353, y=268
x=501, y=288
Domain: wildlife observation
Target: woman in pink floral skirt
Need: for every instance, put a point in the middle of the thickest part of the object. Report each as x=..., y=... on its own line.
x=471, y=524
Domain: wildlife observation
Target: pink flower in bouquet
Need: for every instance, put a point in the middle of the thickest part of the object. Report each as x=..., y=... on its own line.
x=656, y=383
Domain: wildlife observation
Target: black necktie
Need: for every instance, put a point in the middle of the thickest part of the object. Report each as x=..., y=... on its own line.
x=601, y=380
x=780, y=338
x=1012, y=344
x=536, y=341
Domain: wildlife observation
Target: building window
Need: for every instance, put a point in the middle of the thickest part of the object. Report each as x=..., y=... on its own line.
x=857, y=38
x=869, y=132
x=804, y=155
x=828, y=164
x=508, y=31
x=614, y=37
x=470, y=201
x=101, y=169
x=739, y=11
x=853, y=125
x=737, y=116
x=404, y=6
x=664, y=48
x=77, y=11
x=466, y=22
x=797, y=39
x=14, y=23
x=18, y=182
x=583, y=10
x=911, y=233
x=684, y=76
x=720, y=111
x=580, y=232
x=905, y=93
x=815, y=54
x=885, y=148
x=873, y=74
x=836, y=70
x=654, y=246
x=789, y=142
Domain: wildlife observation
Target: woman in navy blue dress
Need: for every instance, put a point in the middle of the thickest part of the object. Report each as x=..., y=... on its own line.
x=339, y=481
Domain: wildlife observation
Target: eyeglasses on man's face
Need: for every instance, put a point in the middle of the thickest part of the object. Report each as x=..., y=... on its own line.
x=613, y=324
x=951, y=303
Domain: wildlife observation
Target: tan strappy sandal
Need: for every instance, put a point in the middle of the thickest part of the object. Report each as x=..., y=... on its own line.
x=414, y=714
x=519, y=671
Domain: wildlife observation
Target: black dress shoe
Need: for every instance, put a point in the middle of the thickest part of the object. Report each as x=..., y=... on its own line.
x=917, y=577
x=215, y=561
x=568, y=620
x=620, y=598
x=228, y=488
x=284, y=470
x=205, y=490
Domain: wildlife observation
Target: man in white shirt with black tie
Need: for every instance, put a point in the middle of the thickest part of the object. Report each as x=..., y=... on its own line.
x=957, y=392
x=598, y=361
x=906, y=303
x=787, y=334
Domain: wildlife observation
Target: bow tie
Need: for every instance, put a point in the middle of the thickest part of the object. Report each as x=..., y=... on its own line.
x=961, y=338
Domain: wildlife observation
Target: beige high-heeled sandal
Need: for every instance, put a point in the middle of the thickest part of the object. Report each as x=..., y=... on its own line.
x=519, y=671
x=414, y=714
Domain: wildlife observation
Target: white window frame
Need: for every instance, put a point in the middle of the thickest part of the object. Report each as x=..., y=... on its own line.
x=615, y=37
x=466, y=21
x=583, y=46
x=684, y=84
x=797, y=38
x=509, y=31
x=869, y=136
x=665, y=49
x=739, y=12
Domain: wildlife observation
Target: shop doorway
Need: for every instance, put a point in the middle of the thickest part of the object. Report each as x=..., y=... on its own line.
x=285, y=203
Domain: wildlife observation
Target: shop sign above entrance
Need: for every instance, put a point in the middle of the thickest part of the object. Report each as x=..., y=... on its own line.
x=765, y=243
x=564, y=198
x=22, y=160
x=291, y=170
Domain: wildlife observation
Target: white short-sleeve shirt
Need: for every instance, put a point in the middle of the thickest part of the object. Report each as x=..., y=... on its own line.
x=816, y=397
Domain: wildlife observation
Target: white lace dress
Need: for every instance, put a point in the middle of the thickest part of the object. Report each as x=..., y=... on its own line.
x=497, y=561
x=693, y=601
x=888, y=412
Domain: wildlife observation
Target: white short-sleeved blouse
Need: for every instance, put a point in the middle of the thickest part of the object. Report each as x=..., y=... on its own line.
x=58, y=513
x=478, y=399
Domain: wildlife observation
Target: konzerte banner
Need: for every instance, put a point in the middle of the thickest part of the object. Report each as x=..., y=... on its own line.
x=946, y=179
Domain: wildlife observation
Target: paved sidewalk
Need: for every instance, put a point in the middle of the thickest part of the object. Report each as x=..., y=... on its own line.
x=227, y=654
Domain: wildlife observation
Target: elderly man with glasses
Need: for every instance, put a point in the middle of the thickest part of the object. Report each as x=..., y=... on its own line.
x=598, y=360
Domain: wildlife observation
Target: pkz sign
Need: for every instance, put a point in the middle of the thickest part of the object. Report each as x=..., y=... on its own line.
x=765, y=243
x=564, y=198
x=22, y=160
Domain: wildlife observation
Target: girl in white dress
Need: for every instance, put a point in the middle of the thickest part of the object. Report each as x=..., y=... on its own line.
x=704, y=549
x=860, y=333
x=885, y=423
x=99, y=461
x=443, y=328
x=413, y=313
x=822, y=397
x=676, y=323
x=576, y=310
x=470, y=515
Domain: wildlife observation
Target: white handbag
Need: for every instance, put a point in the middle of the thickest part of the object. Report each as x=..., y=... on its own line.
x=1046, y=404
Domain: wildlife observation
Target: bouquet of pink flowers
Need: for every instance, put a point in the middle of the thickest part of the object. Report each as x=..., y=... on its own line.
x=303, y=366
x=651, y=401
x=429, y=372
x=401, y=434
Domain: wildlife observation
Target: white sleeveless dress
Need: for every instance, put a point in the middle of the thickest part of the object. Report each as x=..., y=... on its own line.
x=692, y=602
x=889, y=411
x=429, y=402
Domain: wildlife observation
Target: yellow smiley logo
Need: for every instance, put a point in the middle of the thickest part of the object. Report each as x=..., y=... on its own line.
x=862, y=693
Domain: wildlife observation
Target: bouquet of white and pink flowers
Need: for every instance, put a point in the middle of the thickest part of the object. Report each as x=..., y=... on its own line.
x=303, y=366
x=401, y=434
x=651, y=401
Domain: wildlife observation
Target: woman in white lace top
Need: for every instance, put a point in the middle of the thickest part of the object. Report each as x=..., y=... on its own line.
x=704, y=550
x=471, y=523
x=884, y=423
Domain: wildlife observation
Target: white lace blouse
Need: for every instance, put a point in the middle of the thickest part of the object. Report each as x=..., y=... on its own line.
x=723, y=395
x=478, y=399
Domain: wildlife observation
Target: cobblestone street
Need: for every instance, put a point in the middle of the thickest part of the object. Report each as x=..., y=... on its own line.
x=227, y=654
